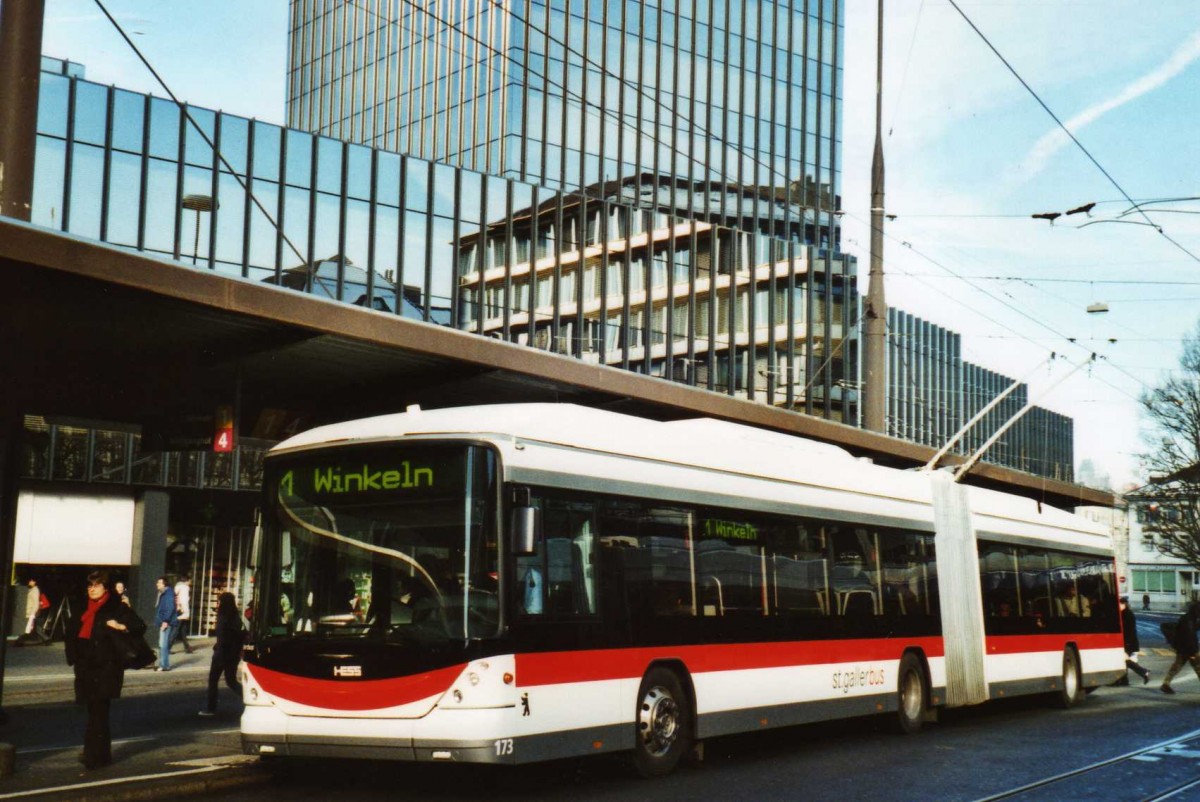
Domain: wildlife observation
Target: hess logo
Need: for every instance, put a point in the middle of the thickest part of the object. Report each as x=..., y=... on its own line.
x=347, y=671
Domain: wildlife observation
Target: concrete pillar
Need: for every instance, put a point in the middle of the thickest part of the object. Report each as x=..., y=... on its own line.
x=20, y=76
x=11, y=428
x=149, y=550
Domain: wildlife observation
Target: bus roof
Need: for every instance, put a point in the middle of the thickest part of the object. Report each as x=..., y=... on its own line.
x=703, y=443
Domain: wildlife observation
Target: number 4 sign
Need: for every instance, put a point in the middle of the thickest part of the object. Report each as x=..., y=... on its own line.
x=223, y=437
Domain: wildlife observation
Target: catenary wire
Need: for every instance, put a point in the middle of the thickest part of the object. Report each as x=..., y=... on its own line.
x=1067, y=131
x=200, y=130
x=1059, y=335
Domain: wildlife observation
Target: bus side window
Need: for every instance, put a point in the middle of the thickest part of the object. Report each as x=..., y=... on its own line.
x=565, y=582
x=799, y=570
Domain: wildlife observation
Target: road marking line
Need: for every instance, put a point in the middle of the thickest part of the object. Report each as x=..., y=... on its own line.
x=115, y=781
x=1171, y=751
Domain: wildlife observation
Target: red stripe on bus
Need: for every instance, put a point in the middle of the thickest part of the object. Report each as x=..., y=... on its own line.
x=550, y=668
x=1019, y=644
x=369, y=694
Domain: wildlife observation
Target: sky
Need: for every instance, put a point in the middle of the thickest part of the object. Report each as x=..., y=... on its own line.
x=970, y=156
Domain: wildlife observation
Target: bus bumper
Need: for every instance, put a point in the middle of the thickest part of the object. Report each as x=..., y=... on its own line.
x=269, y=732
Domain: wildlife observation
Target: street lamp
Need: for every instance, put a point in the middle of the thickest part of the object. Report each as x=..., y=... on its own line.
x=198, y=203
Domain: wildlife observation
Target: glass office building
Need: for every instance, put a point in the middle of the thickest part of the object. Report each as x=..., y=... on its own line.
x=647, y=184
x=569, y=94
x=738, y=311
x=933, y=392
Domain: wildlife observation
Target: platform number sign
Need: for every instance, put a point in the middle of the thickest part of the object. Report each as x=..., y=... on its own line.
x=223, y=436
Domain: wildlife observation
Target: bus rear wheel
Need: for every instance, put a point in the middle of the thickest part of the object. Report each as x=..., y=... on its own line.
x=911, y=696
x=663, y=724
x=1071, y=691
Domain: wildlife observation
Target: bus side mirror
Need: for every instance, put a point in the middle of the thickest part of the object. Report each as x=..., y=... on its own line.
x=257, y=543
x=526, y=530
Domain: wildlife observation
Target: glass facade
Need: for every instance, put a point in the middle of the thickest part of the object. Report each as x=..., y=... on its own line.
x=933, y=392
x=593, y=274
x=79, y=451
x=735, y=106
x=673, y=165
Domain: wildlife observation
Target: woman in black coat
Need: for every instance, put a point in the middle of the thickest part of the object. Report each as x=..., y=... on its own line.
x=227, y=651
x=97, y=642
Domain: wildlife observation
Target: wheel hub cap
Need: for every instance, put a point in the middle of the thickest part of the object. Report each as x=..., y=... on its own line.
x=658, y=721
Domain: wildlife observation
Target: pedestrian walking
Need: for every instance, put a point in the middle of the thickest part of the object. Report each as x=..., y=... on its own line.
x=1132, y=646
x=1186, y=647
x=183, y=605
x=227, y=651
x=166, y=619
x=36, y=607
x=98, y=639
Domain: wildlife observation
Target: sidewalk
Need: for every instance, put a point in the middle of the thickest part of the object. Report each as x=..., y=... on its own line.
x=161, y=747
x=43, y=670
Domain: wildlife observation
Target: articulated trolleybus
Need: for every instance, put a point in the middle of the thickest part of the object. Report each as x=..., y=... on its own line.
x=514, y=583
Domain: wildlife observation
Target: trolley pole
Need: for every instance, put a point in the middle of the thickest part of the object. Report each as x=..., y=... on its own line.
x=875, y=313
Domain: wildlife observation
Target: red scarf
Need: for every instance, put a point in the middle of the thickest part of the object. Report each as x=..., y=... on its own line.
x=89, y=617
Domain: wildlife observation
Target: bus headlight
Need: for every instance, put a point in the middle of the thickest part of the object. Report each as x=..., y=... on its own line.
x=251, y=693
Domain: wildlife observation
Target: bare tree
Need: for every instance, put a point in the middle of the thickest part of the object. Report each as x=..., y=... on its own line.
x=1173, y=462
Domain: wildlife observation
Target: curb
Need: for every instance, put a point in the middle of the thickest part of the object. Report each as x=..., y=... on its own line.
x=155, y=787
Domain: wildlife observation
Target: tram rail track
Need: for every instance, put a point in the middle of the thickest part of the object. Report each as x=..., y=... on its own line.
x=1154, y=752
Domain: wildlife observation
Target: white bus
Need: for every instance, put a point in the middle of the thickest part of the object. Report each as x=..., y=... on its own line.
x=514, y=583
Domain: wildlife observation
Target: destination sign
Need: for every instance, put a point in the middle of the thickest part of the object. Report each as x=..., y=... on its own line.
x=377, y=473
x=364, y=479
x=730, y=530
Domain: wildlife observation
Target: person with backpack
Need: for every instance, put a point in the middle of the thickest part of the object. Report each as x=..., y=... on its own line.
x=1185, y=644
x=37, y=605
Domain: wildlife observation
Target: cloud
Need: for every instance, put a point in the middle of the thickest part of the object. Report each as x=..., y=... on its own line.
x=1054, y=140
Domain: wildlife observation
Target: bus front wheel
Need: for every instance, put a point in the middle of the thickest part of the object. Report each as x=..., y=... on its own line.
x=663, y=724
x=911, y=695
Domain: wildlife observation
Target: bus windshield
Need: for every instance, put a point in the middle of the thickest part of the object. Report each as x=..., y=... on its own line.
x=388, y=542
